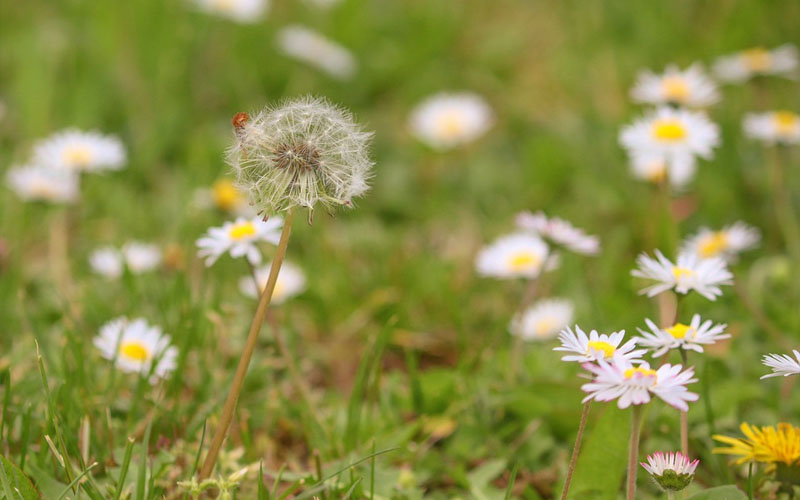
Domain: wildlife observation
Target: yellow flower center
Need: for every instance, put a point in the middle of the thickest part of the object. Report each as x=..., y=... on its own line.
x=450, y=125
x=658, y=174
x=601, y=346
x=134, y=350
x=681, y=272
x=675, y=89
x=242, y=230
x=680, y=331
x=544, y=326
x=638, y=370
x=225, y=195
x=77, y=156
x=523, y=261
x=669, y=130
x=785, y=121
x=43, y=190
x=713, y=244
x=757, y=59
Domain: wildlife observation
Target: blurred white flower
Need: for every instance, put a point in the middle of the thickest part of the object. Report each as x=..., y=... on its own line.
x=141, y=257
x=690, y=337
x=690, y=87
x=782, y=364
x=291, y=281
x=655, y=168
x=239, y=238
x=595, y=346
x=746, y=64
x=241, y=11
x=446, y=120
x=313, y=48
x=514, y=256
x=300, y=153
x=620, y=380
x=727, y=243
x=107, y=261
x=676, y=135
x=79, y=151
x=137, y=256
x=773, y=127
x=559, y=231
x=689, y=273
x=137, y=347
x=37, y=183
x=543, y=320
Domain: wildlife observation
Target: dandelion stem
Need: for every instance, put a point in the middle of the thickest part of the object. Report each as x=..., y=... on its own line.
x=247, y=353
x=633, y=458
x=575, y=450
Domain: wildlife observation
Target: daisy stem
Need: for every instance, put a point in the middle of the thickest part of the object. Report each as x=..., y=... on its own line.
x=782, y=198
x=575, y=450
x=684, y=416
x=633, y=458
x=671, y=223
x=517, y=344
x=250, y=345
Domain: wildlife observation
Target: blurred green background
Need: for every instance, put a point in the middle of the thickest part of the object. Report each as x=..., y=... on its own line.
x=395, y=327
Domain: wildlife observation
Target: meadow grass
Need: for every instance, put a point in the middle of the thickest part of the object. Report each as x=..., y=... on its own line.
x=404, y=350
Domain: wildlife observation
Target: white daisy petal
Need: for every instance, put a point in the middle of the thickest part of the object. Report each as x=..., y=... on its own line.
x=291, y=281
x=773, y=127
x=513, y=256
x=689, y=273
x=782, y=365
x=447, y=120
x=690, y=87
x=137, y=347
x=239, y=239
x=559, y=231
x=77, y=151
x=307, y=45
x=543, y=320
x=736, y=68
x=727, y=243
x=38, y=183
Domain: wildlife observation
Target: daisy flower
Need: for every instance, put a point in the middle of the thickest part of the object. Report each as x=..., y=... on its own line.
x=671, y=471
x=655, y=169
x=773, y=127
x=620, y=380
x=691, y=337
x=37, y=183
x=676, y=135
x=291, y=281
x=137, y=347
x=595, y=346
x=727, y=243
x=307, y=45
x=446, y=120
x=690, y=87
x=559, y=231
x=782, y=364
x=514, y=256
x=543, y=320
x=689, y=273
x=79, y=151
x=746, y=64
x=768, y=444
x=241, y=11
x=239, y=238
x=141, y=257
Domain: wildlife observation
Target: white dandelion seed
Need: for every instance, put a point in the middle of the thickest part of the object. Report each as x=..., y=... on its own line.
x=300, y=153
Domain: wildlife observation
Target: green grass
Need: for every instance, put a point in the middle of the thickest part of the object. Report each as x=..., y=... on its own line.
x=405, y=349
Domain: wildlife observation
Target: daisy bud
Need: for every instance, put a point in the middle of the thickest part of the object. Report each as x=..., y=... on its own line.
x=671, y=471
x=300, y=153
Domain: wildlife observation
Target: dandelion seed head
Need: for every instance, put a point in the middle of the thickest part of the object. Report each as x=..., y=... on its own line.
x=302, y=152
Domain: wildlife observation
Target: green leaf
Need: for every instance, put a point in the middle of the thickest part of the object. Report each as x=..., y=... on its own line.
x=18, y=481
x=604, y=455
x=727, y=492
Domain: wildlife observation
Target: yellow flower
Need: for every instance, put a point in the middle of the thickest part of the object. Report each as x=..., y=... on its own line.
x=769, y=444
